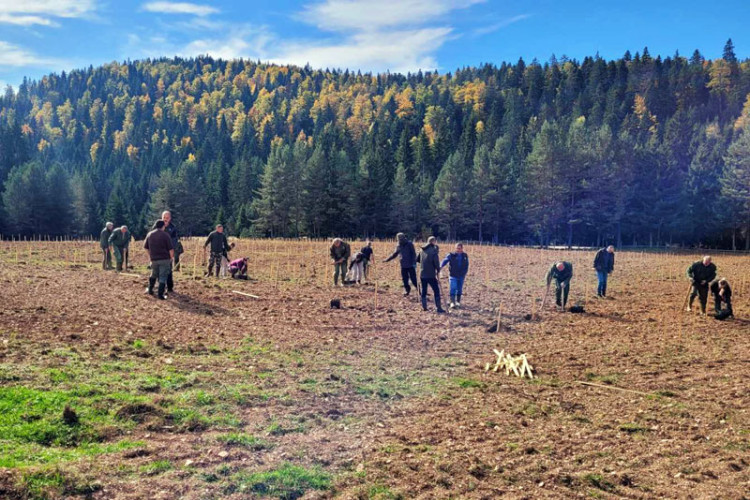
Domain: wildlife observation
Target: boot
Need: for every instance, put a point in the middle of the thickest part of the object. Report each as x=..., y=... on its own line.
x=458, y=301
x=424, y=303
x=161, y=293
x=170, y=283
x=151, y=283
x=453, y=301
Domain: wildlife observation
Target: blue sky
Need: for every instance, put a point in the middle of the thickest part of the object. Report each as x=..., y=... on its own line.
x=41, y=36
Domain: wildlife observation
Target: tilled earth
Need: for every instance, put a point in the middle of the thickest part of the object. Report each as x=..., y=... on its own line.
x=379, y=398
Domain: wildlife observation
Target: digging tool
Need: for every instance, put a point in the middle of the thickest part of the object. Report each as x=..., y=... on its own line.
x=442, y=296
x=127, y=254
x=544, y=300
x=419, y=288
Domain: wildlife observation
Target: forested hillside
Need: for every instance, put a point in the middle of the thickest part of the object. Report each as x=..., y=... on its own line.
x=638, y=150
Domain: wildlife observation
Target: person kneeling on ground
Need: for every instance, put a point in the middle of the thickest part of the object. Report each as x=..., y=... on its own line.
x=158, y=244
x=722, y=293
x=701, y=274
x=458, y=266
x=429, y=266
x=238, y=268
x=562, y=272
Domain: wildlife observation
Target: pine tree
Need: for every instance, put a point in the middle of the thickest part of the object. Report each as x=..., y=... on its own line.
x=450, y=201
x=735, y=183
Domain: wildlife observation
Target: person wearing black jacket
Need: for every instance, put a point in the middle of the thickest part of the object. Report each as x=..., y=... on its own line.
x=219, y=244
x=701, y=274
x=171, y=230
x=367, y=254
x=562, y=273
x=429, y=268
x=722, y=293
x=408, y=260
x=604, y=263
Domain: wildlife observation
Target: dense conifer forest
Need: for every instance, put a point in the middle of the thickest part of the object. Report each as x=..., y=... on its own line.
x=642, y=150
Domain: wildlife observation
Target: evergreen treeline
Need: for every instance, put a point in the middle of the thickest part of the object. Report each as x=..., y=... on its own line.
x=638, y=150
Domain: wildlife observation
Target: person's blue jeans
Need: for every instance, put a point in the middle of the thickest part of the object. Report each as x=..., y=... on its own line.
x=602, y=288
x=457, y=287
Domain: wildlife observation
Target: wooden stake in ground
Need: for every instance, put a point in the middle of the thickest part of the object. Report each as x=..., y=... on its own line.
x=687, y=297
x=499, y=312
x=614, y=388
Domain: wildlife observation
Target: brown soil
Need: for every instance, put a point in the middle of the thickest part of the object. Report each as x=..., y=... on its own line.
x=401, y=404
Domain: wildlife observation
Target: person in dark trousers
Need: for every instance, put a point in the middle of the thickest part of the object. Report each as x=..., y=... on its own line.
x=104, y=244
x=701, y=274
x=458, y=267
x=722, y=293
x=562, y=272
x=604, y=263
x=219, y=244
x=429, y=267
x=171, y=230
x=158, y=244
x=408, y=260
x=339, y=252
x=367, y=254
x=119, y=241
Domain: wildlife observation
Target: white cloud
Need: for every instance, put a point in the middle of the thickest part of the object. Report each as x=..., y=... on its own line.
x=42, y=12
x=389, y=35
x=180, y=8
x=16, y=56
x=366, y=15
x=485, y=30
x=395, y=51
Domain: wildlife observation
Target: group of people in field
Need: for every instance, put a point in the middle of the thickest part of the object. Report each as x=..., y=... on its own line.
x=164, y=249
x=428, y=260
x=163, y=246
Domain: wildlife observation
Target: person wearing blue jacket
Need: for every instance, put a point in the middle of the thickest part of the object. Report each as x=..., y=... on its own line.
x=458, y=266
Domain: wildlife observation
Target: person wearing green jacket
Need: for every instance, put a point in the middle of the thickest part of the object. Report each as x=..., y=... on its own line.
x=119, y=241
x=340, y=252
x=701, y=274
x=104, y=245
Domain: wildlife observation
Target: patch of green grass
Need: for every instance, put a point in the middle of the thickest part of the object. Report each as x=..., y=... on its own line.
x=54, y=483
x=277, y=429
x=245, y=440
x=609, y=379
x=139, y=344
x=34, y=416
x=468, y=383
x=287, y=482
x=156, y=467
x=381, y=492
x=632, y=428
x=598, y=481
x=13, y=455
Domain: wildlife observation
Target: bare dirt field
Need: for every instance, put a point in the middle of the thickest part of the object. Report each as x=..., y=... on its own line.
x=215, y=394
